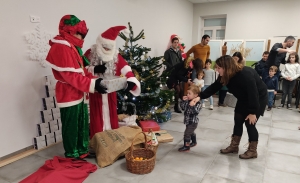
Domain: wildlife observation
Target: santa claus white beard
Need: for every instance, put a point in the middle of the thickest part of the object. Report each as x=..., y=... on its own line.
x=105, y=55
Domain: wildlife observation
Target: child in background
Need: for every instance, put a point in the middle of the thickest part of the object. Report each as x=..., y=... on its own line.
x=208, y=80
x=290, y=73
x=272, y=84
x=199, y=80
x=190, y=118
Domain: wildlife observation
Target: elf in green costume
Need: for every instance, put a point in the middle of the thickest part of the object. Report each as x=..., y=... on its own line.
x=73, y=84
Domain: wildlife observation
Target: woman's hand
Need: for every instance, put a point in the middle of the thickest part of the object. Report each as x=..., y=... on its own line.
x=194, y=101
x=189, y=81
x=252, y=119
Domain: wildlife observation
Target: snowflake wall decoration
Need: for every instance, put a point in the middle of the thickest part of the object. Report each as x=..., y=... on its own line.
x=38, y=45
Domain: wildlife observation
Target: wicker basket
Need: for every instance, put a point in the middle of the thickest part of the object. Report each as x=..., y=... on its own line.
x=140, y=166
x=153, y=147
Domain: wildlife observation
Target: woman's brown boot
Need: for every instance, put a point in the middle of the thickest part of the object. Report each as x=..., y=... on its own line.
x=251, y=151
x=234, y=145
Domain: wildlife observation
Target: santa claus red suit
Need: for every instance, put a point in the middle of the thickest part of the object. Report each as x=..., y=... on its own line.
x=104, y=59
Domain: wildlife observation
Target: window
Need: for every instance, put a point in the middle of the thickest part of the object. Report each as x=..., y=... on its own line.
x=214, y=27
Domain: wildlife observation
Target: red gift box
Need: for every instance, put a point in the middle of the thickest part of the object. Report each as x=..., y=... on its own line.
x=149, y=124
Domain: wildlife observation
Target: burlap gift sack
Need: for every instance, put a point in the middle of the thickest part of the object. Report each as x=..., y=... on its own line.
x=112, y=144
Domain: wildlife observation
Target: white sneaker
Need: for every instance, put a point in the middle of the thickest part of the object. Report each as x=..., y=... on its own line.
x=211, y=107
x=205, y=100
x=203, y=105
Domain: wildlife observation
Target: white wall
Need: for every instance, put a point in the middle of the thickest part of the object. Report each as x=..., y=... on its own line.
x=252, y=19
x=21, y=80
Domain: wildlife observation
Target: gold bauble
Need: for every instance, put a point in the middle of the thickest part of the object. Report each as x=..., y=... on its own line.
x=151, y=71
x=148, y=88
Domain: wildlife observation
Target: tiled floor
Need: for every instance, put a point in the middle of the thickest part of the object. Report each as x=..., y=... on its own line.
x=278, y=154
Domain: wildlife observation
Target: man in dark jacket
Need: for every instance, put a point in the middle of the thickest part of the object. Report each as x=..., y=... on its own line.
x=277, y=55
x=260, y=65
x=173, y=54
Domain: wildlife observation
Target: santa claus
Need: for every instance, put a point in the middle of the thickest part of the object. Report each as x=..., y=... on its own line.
x=104, y=60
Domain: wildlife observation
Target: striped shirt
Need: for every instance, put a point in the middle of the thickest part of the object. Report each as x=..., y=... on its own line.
x=190, y=112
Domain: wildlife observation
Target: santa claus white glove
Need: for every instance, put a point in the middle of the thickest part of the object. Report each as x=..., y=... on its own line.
x=130, y=86
x=100, y=69
x=99, y=87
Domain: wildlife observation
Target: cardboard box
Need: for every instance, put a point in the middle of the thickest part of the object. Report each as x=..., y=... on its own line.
x=163, y=136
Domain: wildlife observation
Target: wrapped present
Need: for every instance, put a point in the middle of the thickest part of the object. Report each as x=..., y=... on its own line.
x=114, y=84
x=149, y=125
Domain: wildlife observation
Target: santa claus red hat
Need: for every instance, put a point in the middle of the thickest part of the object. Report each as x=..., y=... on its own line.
x=113, y=32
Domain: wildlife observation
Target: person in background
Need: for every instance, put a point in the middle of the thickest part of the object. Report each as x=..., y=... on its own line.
x=180, y=74
x=252, y=97
x=199, y=80
x=172, y=56
x=201, y=51
x=208, y=80
x=190, y=118
x=222, y=95
x=290, y=73
x=272, y=84
x=260, y=65
x=238, y=57
x=278, y=54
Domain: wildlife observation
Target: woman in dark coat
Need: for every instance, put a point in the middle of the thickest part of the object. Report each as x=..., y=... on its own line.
x=252, y=97
x=180, y=74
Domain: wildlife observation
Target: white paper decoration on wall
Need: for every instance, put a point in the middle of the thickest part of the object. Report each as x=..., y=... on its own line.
x=38, y=41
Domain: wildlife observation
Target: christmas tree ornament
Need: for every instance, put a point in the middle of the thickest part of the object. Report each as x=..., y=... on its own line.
x=155, y=108
x=143, y=69
x=151, y=71
x=125, y=97
x=148, y=88
x=160, y=86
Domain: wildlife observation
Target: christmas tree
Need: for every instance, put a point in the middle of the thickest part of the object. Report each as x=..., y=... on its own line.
x=153, y=102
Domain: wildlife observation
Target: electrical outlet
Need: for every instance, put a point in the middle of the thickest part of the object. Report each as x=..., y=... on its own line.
x=35, y=19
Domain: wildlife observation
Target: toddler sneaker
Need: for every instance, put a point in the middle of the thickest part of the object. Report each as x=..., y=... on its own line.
x=289, y=107
x=211, y=107
x=205, y=100
x=203, y=105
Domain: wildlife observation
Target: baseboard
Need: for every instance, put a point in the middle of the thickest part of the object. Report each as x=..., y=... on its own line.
x=15, y=156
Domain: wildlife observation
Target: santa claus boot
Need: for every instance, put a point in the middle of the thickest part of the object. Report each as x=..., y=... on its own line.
x=185, y=147
x=251, y=151
x=234, y=145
